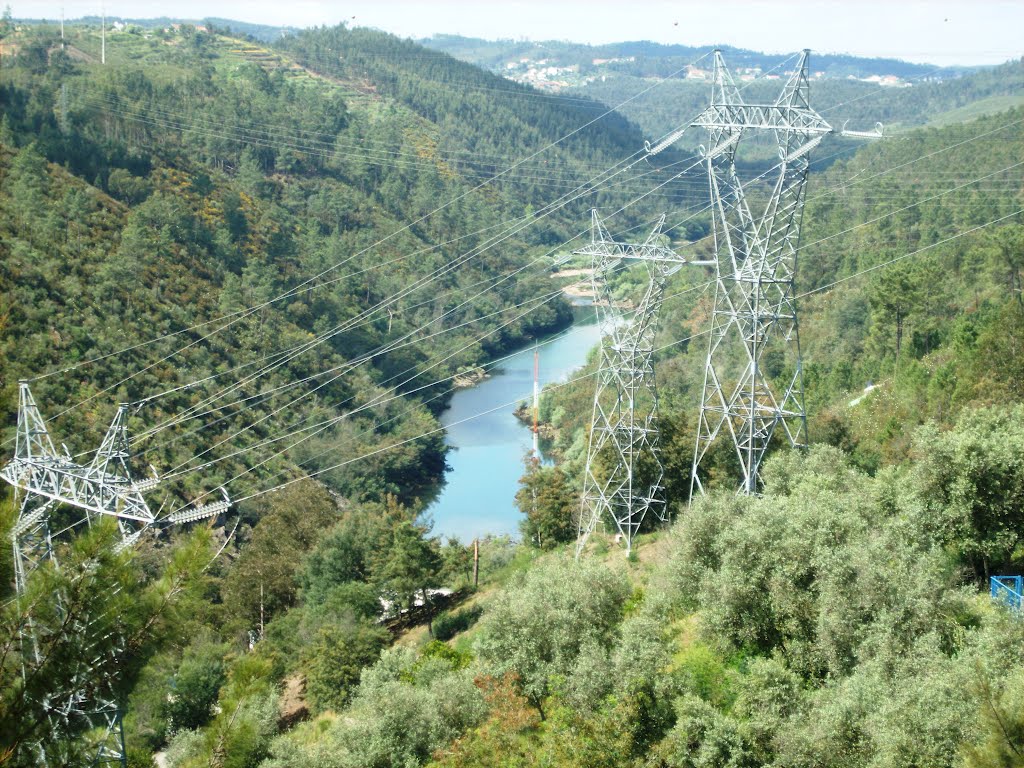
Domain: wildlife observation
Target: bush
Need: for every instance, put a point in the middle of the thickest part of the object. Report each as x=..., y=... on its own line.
x=450, y=623
x=336, y=660
x=825, y=568
x=406, y=708
x=538, y=625
x=195, y=686
x=972, y=481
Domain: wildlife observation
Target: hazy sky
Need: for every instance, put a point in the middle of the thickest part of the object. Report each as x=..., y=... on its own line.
x=937, y=31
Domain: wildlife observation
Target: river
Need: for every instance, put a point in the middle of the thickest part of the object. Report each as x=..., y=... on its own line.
x=488, y=443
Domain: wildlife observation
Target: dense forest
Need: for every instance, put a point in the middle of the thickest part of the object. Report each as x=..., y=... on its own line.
x=247, y=242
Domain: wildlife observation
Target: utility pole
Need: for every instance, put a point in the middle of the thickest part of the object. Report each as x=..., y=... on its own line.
x=103, y=35
x=476, y=563
x=536, y=401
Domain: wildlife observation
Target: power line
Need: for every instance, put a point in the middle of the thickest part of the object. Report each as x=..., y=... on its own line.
x=863, y=224
x=574, y=380
x=417, y=221
x=468, y=301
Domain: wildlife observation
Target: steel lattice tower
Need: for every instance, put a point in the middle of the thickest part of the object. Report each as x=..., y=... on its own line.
x=623, y=475
x=43, y=480
x=756, y=258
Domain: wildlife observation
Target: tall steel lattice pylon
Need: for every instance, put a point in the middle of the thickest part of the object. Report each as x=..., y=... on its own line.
x=623, y=475
x=43, y=481
x=756, y=258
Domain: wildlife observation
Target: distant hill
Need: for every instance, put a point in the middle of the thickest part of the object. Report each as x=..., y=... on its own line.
x=942, y=102
x=862, y=90
x=647, y=59
x=263, y=32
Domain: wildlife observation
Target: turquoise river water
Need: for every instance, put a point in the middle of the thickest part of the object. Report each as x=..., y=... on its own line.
x=488, y=443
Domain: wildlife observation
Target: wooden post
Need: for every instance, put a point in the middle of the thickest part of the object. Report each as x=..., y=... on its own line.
x=476, y=562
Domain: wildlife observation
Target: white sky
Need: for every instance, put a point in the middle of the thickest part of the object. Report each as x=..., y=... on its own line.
x=939, y=31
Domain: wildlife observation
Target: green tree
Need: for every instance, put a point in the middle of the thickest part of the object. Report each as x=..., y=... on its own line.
x=334, y=662
x=264, y=579
x=195, y=685
x=457, y=562
x=550, y=506
x=124, y=186
x=407, y=566
x=96, y=618
x=353, y=548
x=893, y=298
x=29, y=184
x=536, y=628
x=1007, y=245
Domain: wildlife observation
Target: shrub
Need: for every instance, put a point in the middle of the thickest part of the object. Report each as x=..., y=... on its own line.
x=538, y=625
x=450, y=623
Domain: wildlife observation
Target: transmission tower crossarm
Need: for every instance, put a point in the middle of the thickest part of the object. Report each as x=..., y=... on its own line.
x=728, y=112
x=603, y=247
x=103, y=487
x=735, y=117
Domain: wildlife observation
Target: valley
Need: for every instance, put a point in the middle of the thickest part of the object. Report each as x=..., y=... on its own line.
x=282, y=288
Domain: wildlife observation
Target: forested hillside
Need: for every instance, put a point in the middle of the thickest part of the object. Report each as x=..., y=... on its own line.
x=487, y=118
x=282, y=256
x=198, y=175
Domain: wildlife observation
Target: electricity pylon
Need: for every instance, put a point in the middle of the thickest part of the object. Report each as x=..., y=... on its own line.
x=44, y=480
x=756, y=257
x=623, y=475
